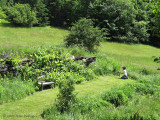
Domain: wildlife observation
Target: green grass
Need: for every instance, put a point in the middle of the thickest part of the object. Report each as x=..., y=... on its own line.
x=35, y=104
x=13, y=37
x=137, y=55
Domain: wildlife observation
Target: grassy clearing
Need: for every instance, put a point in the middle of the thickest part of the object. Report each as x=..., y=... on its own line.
x=137, y=55
x=13, y=37
x=34, y=105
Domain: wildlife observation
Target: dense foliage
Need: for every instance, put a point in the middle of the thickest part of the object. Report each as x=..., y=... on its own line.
x=156, y=19
x=122, y=18
x=84, y=34
x=21, y=14
x=2, y=15
x=65, y=96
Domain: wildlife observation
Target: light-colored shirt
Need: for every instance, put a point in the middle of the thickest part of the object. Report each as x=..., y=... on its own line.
x=125, y=72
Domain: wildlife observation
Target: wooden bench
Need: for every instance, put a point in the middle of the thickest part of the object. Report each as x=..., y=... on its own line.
x=44, y=83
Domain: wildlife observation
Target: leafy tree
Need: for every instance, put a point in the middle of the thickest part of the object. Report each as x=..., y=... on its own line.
x=2, y=15
x=156, y=19
x=21, y=14
x=84, y=34
x=58, y=11
x=122, y=18
x=41, y=13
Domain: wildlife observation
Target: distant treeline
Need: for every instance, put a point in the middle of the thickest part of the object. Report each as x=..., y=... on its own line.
x=128, y=21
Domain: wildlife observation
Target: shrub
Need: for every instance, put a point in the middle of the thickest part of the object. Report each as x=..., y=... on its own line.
x=84, y=34
x=116, y=97
x=65, y=96
x=21, y=14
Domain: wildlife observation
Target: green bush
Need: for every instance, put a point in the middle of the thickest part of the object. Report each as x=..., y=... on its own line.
x=21, y=14
x=116, y=97
x=65, y=96
x=83, y=108
x=84, y=34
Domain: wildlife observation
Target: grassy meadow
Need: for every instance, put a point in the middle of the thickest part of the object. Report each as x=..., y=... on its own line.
x=135, y=57
x=20, y=37
x=135, y=54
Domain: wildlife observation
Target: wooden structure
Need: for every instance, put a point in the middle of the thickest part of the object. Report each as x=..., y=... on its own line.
x=44, y=83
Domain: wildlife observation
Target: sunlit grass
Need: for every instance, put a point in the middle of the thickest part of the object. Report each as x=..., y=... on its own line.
x=13, y=37
x=138, y=55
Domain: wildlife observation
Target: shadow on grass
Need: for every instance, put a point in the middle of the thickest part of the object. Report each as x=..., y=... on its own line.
x=7, y=24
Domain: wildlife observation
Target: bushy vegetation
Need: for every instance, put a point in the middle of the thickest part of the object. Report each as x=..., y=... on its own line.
x=84, y=34
x=156, y=19
x=2, y=15
x=21, y=14
x=65, y=96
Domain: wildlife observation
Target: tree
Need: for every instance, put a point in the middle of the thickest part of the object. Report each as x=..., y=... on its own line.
x=2, y=15
x=21, y=15
x=41, y=13
x=125, y=20
x=84, y=34
x=156, y=11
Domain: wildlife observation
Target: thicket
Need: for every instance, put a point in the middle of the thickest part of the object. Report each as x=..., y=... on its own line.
x=156, y=19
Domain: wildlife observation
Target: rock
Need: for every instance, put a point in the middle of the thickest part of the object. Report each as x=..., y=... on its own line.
x=90, y=60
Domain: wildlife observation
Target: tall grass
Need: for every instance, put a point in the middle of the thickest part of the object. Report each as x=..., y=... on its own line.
x=11, y=90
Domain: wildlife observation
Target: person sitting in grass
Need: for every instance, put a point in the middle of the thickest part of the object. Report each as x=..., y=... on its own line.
x=124, y=73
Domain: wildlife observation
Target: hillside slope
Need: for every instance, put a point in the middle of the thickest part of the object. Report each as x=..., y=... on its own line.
x=32, y=106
